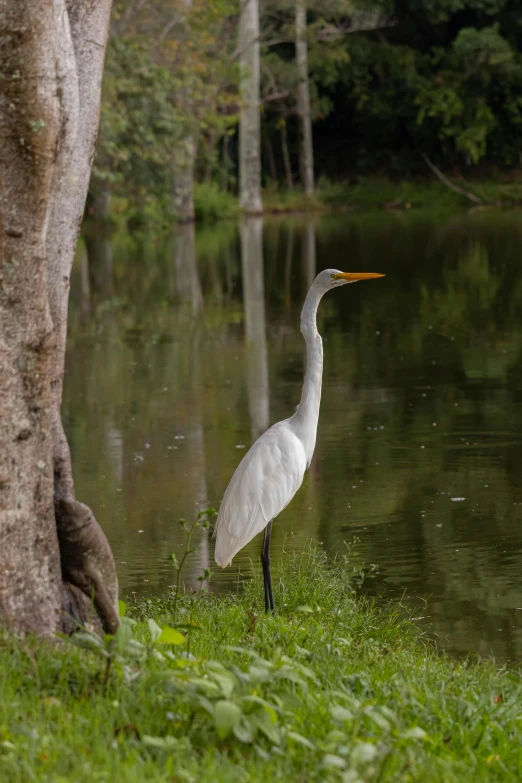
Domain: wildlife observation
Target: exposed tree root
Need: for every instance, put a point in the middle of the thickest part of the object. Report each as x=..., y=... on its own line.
x=86, y=557
x=87, y=561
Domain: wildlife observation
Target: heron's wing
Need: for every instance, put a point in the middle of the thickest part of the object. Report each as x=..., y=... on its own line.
x=265, y=482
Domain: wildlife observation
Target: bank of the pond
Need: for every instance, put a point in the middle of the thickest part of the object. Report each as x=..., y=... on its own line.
x=382, y=193
x=330, y=689
x=366, y=193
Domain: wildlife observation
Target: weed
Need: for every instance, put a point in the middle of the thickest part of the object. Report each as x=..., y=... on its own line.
x=330, y=688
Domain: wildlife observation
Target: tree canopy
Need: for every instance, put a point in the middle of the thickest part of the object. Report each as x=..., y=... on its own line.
x=389, y=80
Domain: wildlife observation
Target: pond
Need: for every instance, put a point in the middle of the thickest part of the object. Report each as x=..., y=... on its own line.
x=183, y=350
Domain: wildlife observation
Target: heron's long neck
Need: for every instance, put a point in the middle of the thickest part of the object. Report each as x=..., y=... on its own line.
x=307, y=415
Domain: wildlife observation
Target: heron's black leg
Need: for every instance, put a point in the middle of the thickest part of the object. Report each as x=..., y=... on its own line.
x=267, y=576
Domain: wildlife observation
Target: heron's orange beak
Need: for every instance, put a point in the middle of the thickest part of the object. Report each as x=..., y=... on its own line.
x=352, y=276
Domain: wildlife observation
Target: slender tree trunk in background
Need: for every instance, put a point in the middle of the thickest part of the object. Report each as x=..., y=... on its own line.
x=97, y=235
x=98, y=242
x=249, y=117
x=303, y=99
x=288, y=268
x=183, y=185
x=98, y=206
x=54, y=556
x=225, y=165
x=212, y=155
x=271, y=160
x=286, y=157
x=85, y=286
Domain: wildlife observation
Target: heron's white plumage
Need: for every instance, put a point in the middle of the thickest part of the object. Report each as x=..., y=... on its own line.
x=272, y=471
x=264, y=483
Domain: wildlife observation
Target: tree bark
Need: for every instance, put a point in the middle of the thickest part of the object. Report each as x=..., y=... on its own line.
x=183, y=186
x=303, y=99
x=286, y=156
x=55, y=558
x=97, y=235
x=225, y=164
x=288, y=268
x=271, y=160
x=249, y=117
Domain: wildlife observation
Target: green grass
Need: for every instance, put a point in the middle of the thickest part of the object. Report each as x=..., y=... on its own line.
x=379, y=193
x=288, y=201
x=328, y=689
x=212, y=203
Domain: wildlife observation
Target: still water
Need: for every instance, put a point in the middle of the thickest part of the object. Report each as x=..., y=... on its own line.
x=183, y=350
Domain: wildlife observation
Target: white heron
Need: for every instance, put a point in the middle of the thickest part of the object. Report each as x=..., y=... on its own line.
x=272, y=471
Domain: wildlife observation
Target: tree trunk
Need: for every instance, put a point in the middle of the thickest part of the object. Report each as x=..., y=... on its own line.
x=249, y=118
x=55, y=559
x=286, y=156
x=85, y=286
x=225, y=164
x=97, y=233
x=101, y=261
x=183, y=185
x=271, y=160
x=288, y=268
x=212, y=155
x=303, y=99
x=98, y=206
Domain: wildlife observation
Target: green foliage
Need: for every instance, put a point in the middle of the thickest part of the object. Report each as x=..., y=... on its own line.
x=443, y=77
x=457, y=96
x=378, y=192
x=294, y=200
x=163, y=85
x=212, y=203
x=330, y=687
x=483, y=51
x=388, y=81
x=139, y=122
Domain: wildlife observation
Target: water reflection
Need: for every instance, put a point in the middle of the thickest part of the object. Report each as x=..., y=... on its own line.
x=255, y=327
x=309, y=262
x=98, y=246
x=84, y=308
x=187, y=284
x=419, y=451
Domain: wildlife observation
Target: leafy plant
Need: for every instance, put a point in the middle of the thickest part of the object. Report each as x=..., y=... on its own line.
x=331, y=688
x=122, y=651
x=200, y=523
